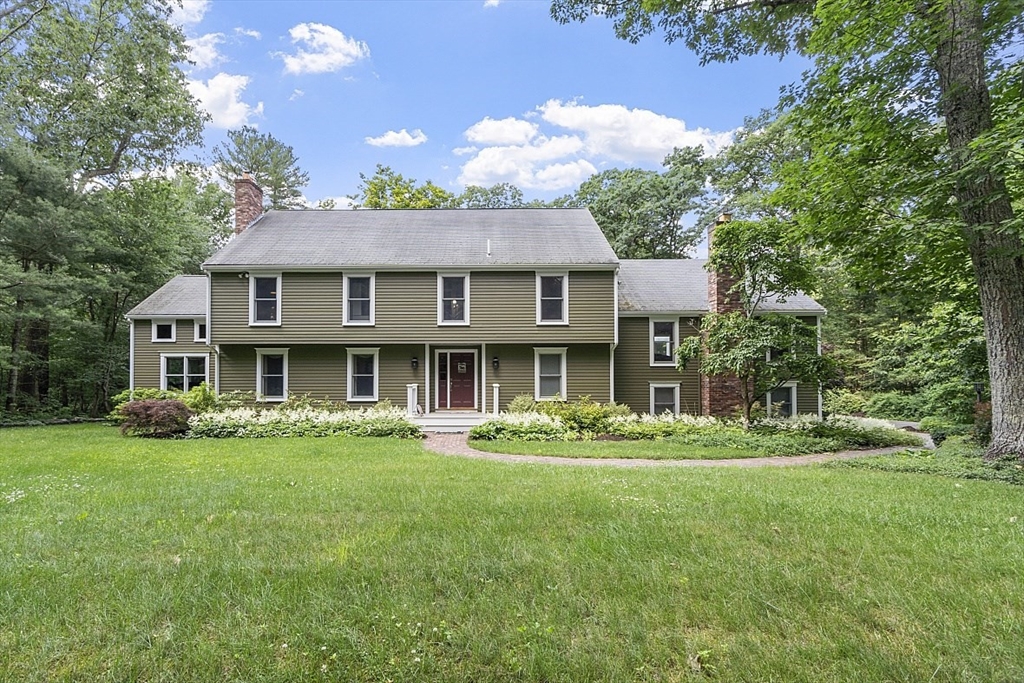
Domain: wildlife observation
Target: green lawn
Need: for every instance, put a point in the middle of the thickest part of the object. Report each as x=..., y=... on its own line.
x=648, y=449
x=346, y=559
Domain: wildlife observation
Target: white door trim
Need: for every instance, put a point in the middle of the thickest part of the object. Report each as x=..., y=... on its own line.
x=448, y=392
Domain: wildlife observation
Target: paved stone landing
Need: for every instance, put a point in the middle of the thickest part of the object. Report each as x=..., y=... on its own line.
x=457, y=444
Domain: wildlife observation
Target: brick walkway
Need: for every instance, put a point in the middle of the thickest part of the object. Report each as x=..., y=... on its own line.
x=456, y=444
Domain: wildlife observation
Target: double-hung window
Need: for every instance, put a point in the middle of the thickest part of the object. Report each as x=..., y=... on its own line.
x=199, y=326
x=664, y=340
x=271, y=374
x=164, y=330
x=782, y=401
x=549, y=369
x=363, y=371
x=181, y=372
x=552, y=298
x=664, y=398
x=265, y=299
x=452, y=299
x=358, y=296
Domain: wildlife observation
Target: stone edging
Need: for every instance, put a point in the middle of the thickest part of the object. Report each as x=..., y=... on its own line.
x=457, y=444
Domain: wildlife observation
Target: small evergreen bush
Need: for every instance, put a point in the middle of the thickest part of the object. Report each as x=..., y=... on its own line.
x=522, y=403
x=158, y=418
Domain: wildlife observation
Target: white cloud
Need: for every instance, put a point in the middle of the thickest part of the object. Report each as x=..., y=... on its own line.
x=190, y=12
x=203, y=50
x=630, y=135
x=509, y=131
x=402, y=138
x=221, y=97
x=492, y=3
x=323, y=49
x=248, y=33
x=296, y=94
x=515, y=150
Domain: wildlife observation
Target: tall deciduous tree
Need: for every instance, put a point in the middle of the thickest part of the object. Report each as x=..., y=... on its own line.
x=386, y=189
x=641, y=212
x=272, y=164
x=498, y=196
x=910, y=131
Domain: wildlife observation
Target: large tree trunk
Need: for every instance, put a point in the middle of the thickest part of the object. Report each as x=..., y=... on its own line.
x=984, y=204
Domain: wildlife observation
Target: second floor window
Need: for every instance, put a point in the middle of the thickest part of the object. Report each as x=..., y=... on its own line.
x=266, y=300
x=663, y=342
x=454, y=295
x=552, y=299
x=359, y=300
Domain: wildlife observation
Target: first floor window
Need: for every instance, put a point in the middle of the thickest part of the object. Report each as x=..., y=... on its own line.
x=362, y=374
x=550, y=369
x=663, y=342
x=782, y=402
x=664, y=398
x=181, y=373
x=271, y=374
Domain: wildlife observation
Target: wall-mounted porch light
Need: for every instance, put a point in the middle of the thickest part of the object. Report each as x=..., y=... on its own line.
x=494, y=363
x=415, y=362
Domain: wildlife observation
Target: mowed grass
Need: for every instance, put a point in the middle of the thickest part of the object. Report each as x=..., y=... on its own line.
x=647, y=449
x=347, y=559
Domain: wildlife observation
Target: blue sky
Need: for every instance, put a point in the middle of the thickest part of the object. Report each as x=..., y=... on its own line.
x=460, y=92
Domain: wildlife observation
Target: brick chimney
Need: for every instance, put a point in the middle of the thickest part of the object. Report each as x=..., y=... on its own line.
x=720, y=395
x=248, y=202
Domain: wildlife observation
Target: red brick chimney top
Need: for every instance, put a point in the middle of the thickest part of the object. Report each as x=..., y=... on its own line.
x=248, y=202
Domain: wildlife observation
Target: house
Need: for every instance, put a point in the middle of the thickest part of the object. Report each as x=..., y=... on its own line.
x=439, y=311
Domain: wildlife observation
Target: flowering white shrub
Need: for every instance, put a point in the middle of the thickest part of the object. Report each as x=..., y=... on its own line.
x=523, y=427
x=667, y=418
x=304, y=421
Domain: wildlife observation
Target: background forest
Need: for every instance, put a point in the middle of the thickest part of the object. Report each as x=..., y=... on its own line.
x=102, y=200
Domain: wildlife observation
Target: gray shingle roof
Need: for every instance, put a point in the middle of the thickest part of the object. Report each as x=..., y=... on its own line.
x=182, y=297
x=681, y=285
x=419, y=238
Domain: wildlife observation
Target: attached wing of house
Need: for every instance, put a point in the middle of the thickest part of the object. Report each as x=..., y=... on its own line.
x=433, y=310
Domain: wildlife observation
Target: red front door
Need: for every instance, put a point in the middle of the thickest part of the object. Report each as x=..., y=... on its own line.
x=456, y=380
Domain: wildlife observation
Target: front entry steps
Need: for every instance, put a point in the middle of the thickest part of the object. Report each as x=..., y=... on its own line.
x=450, y=421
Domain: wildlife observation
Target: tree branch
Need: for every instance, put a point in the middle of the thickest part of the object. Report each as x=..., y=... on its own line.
x=766, y=4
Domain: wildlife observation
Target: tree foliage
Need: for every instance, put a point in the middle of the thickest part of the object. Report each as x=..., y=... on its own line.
x=386, y=189
x=270, y=162
x=914, y=128
x=498, y=196
x=641, y=212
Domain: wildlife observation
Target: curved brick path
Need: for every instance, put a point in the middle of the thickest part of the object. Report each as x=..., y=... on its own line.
x=456, y=444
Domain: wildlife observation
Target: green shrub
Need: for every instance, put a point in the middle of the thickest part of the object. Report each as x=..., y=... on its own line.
x=523, y=427
x=893, y=405
x=522, y=403
x=941, y=429
x=158, y=418
x=584, y=415
x=953, y=401
x=843, y=402
x=644, y=427
x=199, y=399
x=252, y=422
x=848, y=432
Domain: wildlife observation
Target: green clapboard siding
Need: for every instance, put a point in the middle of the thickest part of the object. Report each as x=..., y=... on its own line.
x=807, y=399
x=589, y=372
x=502, y=309
x=515, y=372
x=634, y=374
x=147, y=353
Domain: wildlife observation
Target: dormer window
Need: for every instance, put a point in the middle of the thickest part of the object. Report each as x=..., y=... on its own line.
x=265, y=299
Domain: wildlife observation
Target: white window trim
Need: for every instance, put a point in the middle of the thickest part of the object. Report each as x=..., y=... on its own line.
x=373, y=299
x=440, y=299
x=164, y=321
x=664, y=385
x=565, y=297
x=170, y=354
x=260, y=352
x=538, y=351
x=196, y=322
x=674, y=344
x=792, y=386
x=252, y=301
x=350, y=385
